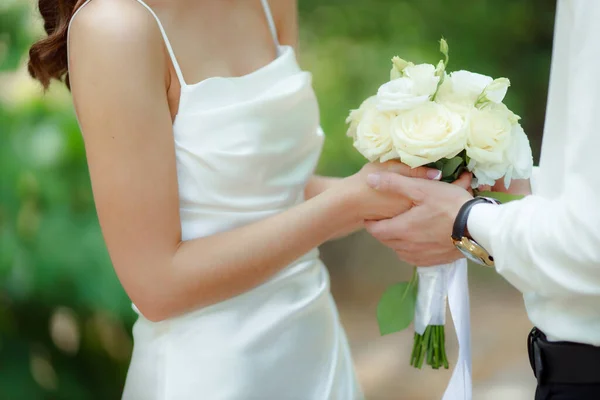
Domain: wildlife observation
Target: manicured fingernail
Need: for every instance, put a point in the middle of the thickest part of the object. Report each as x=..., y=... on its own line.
x=434, y=174
x=373, y=180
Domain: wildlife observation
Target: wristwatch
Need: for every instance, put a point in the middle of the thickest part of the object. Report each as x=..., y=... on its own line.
x=469, y=247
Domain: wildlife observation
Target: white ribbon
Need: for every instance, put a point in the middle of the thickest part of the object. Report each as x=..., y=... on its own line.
x=431, y=296
x=435, y=285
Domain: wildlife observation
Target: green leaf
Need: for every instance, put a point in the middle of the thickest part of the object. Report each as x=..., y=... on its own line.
x=458, y=172
x=396, y=308
x=451, y=166
x=502, y=197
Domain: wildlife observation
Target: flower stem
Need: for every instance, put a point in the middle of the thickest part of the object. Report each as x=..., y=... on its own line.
x=414, y=278
x=436, y=347
x=443, y=341
x=430, y=348
x=414, y=349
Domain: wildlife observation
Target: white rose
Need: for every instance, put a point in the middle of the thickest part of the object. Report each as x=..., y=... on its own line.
x=424, y=76
x=496, y=90
x=461, y=89
x=489, y=133
x=398, y=66
x=516, y=162
x=356, y=115
x=519, y=156
x=416, y=86
x=427, y=134
x=372, y=134
x=487, y=174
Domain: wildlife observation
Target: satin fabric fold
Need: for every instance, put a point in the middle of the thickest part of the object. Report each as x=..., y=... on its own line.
x=460, y=386
x=438, y=286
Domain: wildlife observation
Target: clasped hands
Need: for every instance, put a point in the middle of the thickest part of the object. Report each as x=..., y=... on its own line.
x=420, y=234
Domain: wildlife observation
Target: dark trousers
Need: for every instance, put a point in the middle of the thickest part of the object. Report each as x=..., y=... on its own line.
x=567, y=392
x=565, y=371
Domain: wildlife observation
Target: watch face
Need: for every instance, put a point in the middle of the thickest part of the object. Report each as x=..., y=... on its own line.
x=471, y=256
x=474, y=251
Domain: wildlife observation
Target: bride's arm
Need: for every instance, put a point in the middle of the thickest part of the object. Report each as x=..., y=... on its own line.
x=118, y=79
x=318, y=184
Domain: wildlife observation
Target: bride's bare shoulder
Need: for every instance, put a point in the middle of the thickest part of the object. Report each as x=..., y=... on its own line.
x=115, y=41
x=122, y=25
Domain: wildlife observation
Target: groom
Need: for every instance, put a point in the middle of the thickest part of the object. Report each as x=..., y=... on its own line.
x=548, y=244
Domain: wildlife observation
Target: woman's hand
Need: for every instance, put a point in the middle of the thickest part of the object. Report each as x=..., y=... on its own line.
x=370, y=204
x=421, y=236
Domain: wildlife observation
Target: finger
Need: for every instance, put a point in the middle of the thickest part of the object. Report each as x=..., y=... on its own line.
x=407, y=226
x=407, y=247
x=403, y=227
x=422, y=250
x=485, y=188
x=419, y=172
x=386, y=229
x=389, y=182
x=464, y=181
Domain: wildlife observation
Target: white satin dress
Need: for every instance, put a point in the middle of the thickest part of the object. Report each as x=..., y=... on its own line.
x=245, y=149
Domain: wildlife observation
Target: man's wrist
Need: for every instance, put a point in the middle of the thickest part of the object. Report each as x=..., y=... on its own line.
x=480, y=223
x=460, y=228
x=463, y=240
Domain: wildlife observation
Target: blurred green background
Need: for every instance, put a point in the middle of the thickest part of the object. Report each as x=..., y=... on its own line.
x=64, y=319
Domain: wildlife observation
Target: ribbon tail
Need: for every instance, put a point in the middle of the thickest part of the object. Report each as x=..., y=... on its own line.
x=460, y=386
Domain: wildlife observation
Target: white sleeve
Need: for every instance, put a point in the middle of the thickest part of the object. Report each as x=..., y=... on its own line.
x=552, y=247
x=534, y=179
x=548, y=247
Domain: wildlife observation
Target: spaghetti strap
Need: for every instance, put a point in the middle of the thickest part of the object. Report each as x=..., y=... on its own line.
x=271, y=22
x=167, y=43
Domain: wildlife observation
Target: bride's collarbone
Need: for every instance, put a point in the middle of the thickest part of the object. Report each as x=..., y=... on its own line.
x=219, y=40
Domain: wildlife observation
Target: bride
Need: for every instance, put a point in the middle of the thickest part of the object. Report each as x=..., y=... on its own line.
x=202, y=135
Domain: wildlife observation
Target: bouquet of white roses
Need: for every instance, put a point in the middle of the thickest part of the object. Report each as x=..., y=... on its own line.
x=455, y=122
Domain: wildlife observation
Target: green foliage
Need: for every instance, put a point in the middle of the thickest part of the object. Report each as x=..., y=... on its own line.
x=396, y=307
x=64, y=319
x=451, y=167
x=14, y=35
x=501, y=197
x=52, y=258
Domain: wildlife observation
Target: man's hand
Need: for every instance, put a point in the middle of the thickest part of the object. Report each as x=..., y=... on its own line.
x=421, y=236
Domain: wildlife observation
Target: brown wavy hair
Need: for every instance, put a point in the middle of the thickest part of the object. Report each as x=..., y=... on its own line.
x=48, y=56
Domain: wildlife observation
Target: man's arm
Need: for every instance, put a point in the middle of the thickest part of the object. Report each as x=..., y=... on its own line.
x=552, y=247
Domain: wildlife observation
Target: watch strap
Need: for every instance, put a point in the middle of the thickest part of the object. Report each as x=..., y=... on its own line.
x=460, y=223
